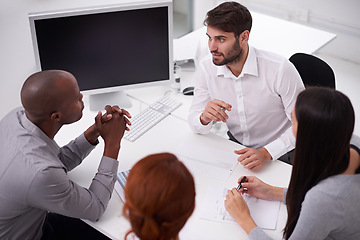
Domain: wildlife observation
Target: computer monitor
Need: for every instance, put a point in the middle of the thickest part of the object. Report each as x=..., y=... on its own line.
x=108, y=48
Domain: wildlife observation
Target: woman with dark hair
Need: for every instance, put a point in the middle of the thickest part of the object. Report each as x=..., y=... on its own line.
x=323, y=196
x=159, y=197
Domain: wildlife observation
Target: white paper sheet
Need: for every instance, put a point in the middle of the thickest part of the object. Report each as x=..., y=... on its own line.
x=264, y=213
x=210, y=162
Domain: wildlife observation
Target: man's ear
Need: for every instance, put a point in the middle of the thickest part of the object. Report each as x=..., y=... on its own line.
x=56, y=116
x=244, y=36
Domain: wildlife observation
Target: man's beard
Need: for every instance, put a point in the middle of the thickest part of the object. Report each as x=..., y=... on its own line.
x=232, y=58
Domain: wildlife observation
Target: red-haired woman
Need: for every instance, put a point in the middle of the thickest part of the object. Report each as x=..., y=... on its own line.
x=159, y=197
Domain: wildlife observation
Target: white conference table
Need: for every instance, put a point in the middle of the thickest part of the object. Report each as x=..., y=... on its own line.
x=166, y=137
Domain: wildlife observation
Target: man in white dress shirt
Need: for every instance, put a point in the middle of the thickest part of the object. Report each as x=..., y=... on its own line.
x=251, y=90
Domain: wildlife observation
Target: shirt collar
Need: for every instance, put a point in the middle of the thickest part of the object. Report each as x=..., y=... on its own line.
x=31, y=127
x=250, y=66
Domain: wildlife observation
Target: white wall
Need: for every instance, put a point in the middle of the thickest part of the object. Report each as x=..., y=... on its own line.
x=339, y=17
x=181, y=6
x=201, y=7
x=16, y=52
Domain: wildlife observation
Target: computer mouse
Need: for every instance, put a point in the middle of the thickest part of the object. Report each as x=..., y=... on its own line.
x=188, y=91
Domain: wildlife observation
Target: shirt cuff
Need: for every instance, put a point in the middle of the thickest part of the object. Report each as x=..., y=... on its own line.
x=108, y=164
x=199, y=127
x=83, y=143
x=276, y=149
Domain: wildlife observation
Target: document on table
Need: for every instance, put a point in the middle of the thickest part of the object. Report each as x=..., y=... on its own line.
x=120, y=184
x=264, y=212
x=202, y=160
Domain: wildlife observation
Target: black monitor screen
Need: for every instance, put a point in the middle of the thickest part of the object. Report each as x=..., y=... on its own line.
x=107, y=49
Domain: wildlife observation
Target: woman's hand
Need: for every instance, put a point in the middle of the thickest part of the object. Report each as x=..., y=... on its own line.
x=238, y=209
x=257, y=188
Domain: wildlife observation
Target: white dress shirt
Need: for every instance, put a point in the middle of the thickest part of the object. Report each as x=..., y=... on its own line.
x=262, y=98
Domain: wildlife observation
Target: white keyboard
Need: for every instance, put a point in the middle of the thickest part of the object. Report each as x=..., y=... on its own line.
x=150, y=116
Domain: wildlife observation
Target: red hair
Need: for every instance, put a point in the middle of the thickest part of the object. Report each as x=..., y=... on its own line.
x=159, y=197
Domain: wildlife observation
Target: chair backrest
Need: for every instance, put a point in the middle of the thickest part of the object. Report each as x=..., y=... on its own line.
x=313, y=70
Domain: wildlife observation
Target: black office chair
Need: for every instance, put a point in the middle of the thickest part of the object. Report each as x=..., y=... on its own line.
x=313, y=70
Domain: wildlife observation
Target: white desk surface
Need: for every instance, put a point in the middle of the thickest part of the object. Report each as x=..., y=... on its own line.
x=165, y=137
x=267, y=33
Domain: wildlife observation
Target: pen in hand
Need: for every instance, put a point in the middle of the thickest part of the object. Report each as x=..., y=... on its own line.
x=242, y=180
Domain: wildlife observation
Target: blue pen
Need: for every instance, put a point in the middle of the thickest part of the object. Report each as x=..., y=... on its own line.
x=242, y=180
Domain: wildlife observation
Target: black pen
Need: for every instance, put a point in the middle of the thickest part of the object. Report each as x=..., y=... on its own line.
x=242, y=180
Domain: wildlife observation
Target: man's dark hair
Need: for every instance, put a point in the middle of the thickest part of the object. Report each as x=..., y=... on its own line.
x=229, y=17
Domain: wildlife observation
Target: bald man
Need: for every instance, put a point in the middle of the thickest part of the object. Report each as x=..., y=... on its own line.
x=33, y=168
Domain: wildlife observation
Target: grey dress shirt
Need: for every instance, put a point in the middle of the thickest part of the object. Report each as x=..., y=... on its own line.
x=33, y=179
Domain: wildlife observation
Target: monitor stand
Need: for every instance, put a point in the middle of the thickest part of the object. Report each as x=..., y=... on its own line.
x=98, y=101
